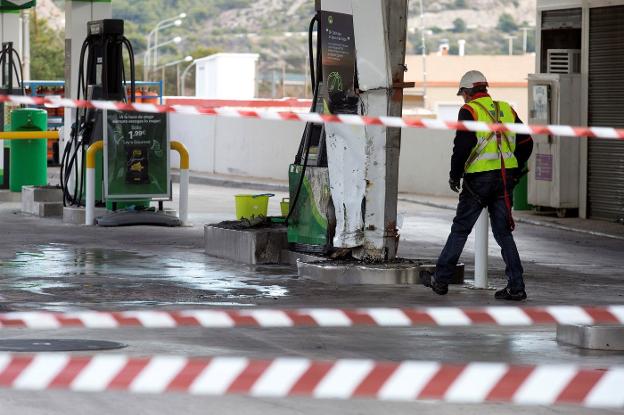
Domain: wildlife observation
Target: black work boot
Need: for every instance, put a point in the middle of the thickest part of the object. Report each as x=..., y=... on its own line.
x=439, y=288
x=511, y=295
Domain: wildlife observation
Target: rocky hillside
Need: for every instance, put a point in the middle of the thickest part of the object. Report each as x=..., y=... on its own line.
x=276, y=28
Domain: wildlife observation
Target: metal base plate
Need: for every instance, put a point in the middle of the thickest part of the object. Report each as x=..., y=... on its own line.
x=592, y=337
x=56, y=345
x=344, y=273
x=470, y=284
x=131, y=217
x=402, y=271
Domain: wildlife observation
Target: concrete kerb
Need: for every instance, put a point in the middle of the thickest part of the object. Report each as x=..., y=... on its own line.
x=229, y=182
x=518, y=219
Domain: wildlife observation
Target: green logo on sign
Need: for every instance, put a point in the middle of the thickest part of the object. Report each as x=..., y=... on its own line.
x=334, y=82
x=330, y=19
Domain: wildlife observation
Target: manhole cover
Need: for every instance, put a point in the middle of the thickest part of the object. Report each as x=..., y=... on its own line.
x=56, y=345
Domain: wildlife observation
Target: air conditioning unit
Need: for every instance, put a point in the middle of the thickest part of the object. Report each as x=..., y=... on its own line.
x=564, y=61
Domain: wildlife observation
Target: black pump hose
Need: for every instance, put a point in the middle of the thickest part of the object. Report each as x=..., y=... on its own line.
x=315, y=87
x=128, y=45
x=68, y=159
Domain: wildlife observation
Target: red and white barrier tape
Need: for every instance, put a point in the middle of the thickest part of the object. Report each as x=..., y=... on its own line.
x=342, y=379
x=320, y=317
x=559, y=130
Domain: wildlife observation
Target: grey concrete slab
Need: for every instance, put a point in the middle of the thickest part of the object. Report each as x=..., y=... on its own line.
x=249, y=246
x=42, y=201
x=43, y=209
x=42, y=194
x=74, y=215
x=607, y=337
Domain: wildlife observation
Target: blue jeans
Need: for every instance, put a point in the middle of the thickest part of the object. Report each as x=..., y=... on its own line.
x=482, y=190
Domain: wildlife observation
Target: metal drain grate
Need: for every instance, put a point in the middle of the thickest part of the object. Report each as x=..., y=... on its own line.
x=57, y=345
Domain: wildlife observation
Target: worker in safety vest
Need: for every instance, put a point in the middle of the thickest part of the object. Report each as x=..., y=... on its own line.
x=491, y=164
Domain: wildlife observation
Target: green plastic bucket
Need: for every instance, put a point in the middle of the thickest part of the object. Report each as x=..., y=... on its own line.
x=285, y=206
x=251, y=206
x=29, y=158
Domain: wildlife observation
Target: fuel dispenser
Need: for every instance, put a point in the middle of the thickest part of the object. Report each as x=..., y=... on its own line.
x=312, y=219
x=103, y=78
x=133, y=168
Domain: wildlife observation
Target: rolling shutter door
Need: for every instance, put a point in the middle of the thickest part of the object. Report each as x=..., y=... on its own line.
x=606, y=108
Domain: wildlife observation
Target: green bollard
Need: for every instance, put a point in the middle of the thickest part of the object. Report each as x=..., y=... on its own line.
x=29, y=158
x=520, y=195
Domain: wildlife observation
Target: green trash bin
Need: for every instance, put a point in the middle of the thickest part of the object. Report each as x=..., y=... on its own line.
x=520, y=195
x=29, y=158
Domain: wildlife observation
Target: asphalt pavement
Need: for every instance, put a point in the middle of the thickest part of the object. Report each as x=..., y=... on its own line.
x=48, y=265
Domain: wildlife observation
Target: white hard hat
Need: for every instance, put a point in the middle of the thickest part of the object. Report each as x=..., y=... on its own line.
x=472, y=79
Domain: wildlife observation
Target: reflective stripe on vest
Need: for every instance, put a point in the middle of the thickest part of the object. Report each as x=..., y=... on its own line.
x=486, y=155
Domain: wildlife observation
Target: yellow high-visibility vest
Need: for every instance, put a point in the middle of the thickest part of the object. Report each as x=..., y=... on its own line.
x=486, y=155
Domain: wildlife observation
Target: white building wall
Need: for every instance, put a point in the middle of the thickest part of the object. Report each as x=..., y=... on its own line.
x=226, y=76
x=264, y=149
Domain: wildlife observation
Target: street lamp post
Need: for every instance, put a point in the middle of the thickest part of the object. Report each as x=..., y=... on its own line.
x=163, y=24
x=160, y=26
x=177, y=64
x=423, y=52
x=184, y=74
x=510, y=39
x=176, y=40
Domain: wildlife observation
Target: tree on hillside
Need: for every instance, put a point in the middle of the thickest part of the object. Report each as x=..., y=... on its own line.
x=460, y=4
x=506, y=23
x=47, y=49
x=459, y=25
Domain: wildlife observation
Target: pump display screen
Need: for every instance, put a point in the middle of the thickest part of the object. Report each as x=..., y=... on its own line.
x=136, y=156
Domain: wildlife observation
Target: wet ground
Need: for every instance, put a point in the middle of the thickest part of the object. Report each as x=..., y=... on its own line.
x=46, y=265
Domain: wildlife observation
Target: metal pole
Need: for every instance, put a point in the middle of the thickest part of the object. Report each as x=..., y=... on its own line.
x=162, y=77
x=26, y=44
x=510, y=38
x=146, y=57
x=423, y=49
x=184, y=74
x=283, y=80
x=524, y=39
x=273, y=82
x=481, y=251
x=145, y=64
x=155, y=63
x=177, y=79
x=305, y=80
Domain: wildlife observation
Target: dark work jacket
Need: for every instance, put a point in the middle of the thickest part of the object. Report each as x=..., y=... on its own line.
x=465, y=141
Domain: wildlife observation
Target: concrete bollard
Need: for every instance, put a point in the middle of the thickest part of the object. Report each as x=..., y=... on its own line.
x=184, y=180
x=90, y=199
x=481, y=251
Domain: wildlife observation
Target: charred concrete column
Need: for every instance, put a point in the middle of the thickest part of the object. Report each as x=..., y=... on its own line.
x=380, y=33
